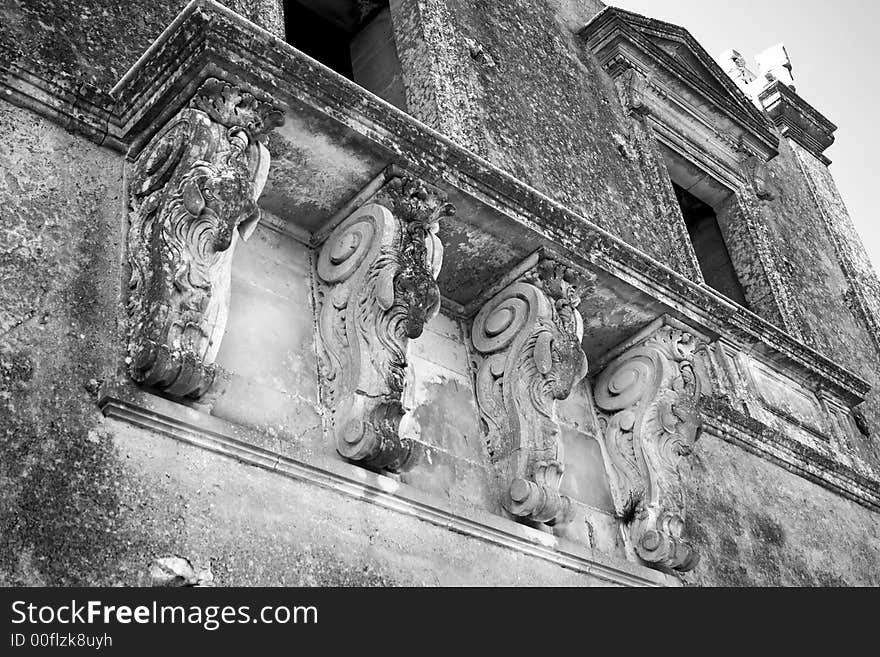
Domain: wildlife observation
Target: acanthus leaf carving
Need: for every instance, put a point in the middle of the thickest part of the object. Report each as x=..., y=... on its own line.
x=528, y=337
x=378, y=290
x=193, y=192
x=648, y=398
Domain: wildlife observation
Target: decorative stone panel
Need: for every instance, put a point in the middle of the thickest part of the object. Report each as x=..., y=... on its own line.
x=193, y=192
x=648, y=402
x=528, y=337
x=377, y=289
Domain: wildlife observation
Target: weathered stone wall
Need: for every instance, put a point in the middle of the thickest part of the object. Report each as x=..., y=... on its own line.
x=97, y=41
x=60, y=276
x=86, y=500
x=757, y=524
x=806, y=255
x=256, y=528
x=510, y=80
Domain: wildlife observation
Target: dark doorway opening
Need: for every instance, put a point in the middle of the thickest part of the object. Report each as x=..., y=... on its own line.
x=708, y=240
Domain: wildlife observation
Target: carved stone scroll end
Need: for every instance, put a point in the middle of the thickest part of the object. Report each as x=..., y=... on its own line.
x=193, y=191
x=378, y=271
x=233, y=107
x=528, y=339
x=648, y=397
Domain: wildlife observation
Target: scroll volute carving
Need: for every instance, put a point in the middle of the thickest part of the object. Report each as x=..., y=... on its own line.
x=649, y=403
x=529, y=340
x=378, y=272
x=193, y=192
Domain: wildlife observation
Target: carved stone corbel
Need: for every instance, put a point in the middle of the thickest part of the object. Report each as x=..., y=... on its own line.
x=378, y=272
x=757, y=175
x=648, y=398
x=633, y=88
x=528, y=337
x=193, y=191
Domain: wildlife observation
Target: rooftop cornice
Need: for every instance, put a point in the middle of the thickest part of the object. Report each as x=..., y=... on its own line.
x=797, y=119
x=623, y=39
x=208, y=40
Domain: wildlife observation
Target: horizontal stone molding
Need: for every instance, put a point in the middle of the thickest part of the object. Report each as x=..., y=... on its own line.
x=187, y=425
x=723, y=421
x=78, y=107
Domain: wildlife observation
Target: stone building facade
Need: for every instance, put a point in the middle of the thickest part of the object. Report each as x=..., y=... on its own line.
x=423, y=292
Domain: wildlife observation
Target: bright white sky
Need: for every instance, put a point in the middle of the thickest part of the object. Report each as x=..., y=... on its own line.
x=835, y=59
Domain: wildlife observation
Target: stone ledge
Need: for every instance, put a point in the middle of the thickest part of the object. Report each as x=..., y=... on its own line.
x=220, y=437
x=798, y=120
x=729, y=424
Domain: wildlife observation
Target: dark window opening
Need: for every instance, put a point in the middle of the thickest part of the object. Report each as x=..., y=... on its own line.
x=355, y=39
x=708, y=240
x=318, y=37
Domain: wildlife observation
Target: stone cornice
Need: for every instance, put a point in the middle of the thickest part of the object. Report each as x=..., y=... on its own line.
x=622, y=39
x=253, y=448
x=208, y=40
x=798, y=120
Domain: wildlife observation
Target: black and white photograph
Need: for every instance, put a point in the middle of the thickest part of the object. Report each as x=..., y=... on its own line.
x=437, y=294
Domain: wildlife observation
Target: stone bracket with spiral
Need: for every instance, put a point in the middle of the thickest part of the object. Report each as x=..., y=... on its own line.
x=648, y=399
x=193, y=192
x=377, y=290
x=528, y=340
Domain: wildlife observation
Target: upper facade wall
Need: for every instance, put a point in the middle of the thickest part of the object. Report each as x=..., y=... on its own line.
x=527, y=94
x=97, y=41
x=510, y=81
